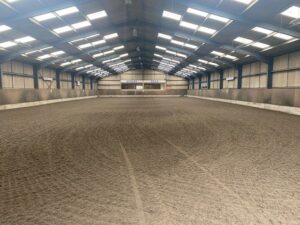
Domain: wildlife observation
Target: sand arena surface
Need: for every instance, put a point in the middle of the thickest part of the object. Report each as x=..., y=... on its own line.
x=148, y=161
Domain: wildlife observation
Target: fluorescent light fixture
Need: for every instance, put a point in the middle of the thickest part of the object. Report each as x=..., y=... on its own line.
x=57, y=53
x=47, y=56
x=218, y=53
x=171, y=15
x=97, y=15
x=243, y=40
x=177, y=42
x=47, y=16
x=100, y=42
x=260, y=45
x=206, y=30
x=119, y=47
x=79, y=68
x=188, y=25
x=203, y=61
x=25, y=39
x=231, y=57
x=292, y=12
x=7, y=44
x=65, y=64
x=76, y=61
x=190, y=46
x=88, y=66
x=219, y=18
x=213, y=64
x=4, y=28
x=64, y=29
x=164, y=36
x=262, y=30
x=124, y=55
x=67, y=11
x=81, y=25
x=197, y=12
x=283, y=36
x=157, y=55
x=246, y=2
x=88, y=45
x=160, y=48
x=111, y=36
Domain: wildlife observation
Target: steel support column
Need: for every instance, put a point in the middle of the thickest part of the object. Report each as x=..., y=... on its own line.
x=200, y=82
x=270, y=74
x=221, y=79
x=1, y=77
x=193, y=83
x=240, y=76
x=36, y=69
x=208, y=80
x=58, y=72
x=83, y=82
x=73, y=80
x=92, y=83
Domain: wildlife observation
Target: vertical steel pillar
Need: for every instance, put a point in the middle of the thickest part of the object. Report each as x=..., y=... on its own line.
x=270, y=74
x=200, y=82
x=208, y=80
x=221, y=79
x=1, y=77
x=73, y=80
x=193, y=83
x=36, y=69
x=240, y=76
x=83, y=82
x=92, y=83
x=58, y=72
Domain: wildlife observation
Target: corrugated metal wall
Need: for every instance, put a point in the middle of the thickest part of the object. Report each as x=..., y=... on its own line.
x=255, y=75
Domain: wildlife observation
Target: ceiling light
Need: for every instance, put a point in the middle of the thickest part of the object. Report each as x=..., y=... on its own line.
x=283, y=36
x=219, y=18
x=164, y=36
x=124, y=55
x=25, y=39
x=88, y=45
x=79, y=68
x=44, y=17
x=262, y=30
x=111, y=36
x=260, y=45
x=202, y=61
x=243, y=40
x=206, y=30
x=67, y=11
x=97, y=15
x=218, y=53
x=76, y=61
x=171, y=15
x=119, y=47
x=188, y=25
x=7, y=44
x=100, y=42
x=62, y=29
x=246, y=2
x=157, y=55
x=293, y=12
x=47, y=56
x=197, y=12
x=160, y=48
x=190, y=46
x=231, y=57
x=213, y=64
x=57, y=53
x=65, y=64
x=81, y=25
x=4, y=28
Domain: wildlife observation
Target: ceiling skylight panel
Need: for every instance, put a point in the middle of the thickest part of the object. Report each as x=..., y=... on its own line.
x=83, y=46
x=164, y=36
x=292, y=12
x=4, y=28
x=119, y=47
x=7, y=44
x=171, y=15
x=260, y=45
x=67, y=11
x=197, y=12
x=44, y=17
x=57, y=53
x=81, y=25
x=243, y=40
x=64, y=29
x=100, y=42
x=111, y=36
x=206, y=30
x=188, y=25
x=25, y=40
x=97, y=15
x=262, y=30
x=219, y=18
x=283, y=36
x=160, y=48
x=47, y=56
x=246, y=2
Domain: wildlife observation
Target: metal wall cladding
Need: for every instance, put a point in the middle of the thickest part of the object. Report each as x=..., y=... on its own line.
x=255, y=75
x=232, y=83
x=65, y=81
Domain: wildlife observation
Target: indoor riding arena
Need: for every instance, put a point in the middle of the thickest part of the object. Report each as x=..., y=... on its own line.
x=139, y=112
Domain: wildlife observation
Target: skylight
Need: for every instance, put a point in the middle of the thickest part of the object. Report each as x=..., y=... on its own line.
x=81, y=25
x=283, y=36
x=111, y=36
x=260, y=45
x=197, y=12
x=221, y=54
x=97, y=15
x=219, y=18
x=293, y=12
x=164, y=36
x=246, y=2
x=63, y=29
x=4, y=28
x=171, y=15
x=7, y=44
x=67, y=11
x=47, y=56
x=44, y=17
x=262, y=30
x=25, y=39
x=206, y=30
x=205, y=14
x=243, y=40
x=188, y=25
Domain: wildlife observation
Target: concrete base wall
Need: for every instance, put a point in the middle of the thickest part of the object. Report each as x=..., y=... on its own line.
x=164, y=92
x=284, y=97
x=14, y=96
